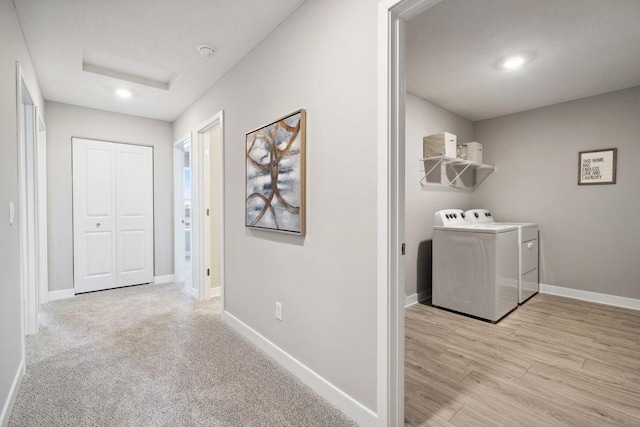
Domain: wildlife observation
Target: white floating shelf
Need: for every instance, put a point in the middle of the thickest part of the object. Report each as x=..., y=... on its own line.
x=482, y=171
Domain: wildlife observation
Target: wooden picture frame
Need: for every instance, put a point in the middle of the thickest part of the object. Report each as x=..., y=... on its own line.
x=275, y=158
x=597, y=167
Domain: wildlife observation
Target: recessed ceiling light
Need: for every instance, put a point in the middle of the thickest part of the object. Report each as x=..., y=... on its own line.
x=513, y=62
x=206, y=51
x=123, y=93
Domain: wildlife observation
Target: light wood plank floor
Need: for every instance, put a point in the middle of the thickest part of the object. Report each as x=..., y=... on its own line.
x=553, y=361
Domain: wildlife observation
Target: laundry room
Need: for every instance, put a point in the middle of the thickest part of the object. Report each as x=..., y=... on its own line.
x=521, y=139
x=517, y=97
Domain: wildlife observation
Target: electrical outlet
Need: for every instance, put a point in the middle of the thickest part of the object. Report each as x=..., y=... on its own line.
x=278, y=311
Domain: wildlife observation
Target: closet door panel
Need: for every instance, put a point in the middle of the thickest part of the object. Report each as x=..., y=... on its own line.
x=134, y=189
x=94, y=212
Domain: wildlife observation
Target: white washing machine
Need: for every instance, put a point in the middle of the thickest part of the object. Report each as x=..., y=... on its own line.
x=528, y=279
x=475, y=266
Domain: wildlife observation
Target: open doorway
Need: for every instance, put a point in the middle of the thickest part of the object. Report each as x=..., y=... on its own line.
x=392, y=15
x=199, y=210
x=208, y=208
x=182, y=212
x=513, y=92
x=31, y=205
x=210, y=140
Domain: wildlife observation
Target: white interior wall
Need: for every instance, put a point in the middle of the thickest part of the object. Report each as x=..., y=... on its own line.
x=12, y=48
x=323, y=59
x=423, y=118
x=588, y=234
x=63, y=123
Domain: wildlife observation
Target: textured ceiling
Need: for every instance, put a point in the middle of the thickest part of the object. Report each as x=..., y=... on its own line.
x=147, y=46
x=581, y=48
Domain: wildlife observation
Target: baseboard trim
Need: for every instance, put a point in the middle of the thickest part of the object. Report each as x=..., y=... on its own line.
x=416, y=298
x=410, y=300
x=216, y=292
x=194, y=292
x=164, y=279
x=63, y=294
x=596, y=297
x=338, y=398
x=11, y=398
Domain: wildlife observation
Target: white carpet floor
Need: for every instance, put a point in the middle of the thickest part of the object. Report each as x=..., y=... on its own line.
x=151, y=356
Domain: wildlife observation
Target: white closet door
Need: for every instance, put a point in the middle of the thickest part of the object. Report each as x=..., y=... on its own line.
x=112, y=215
x=94, y=215
x=134, y=189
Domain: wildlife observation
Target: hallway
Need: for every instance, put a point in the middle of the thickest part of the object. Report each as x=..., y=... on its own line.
x=150, y=355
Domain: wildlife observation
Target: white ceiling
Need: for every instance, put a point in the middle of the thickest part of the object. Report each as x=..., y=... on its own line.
x=152, y=42
x=581, y=47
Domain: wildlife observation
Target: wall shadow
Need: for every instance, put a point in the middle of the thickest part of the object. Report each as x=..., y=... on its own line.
x=423, y=270
x=275, y=236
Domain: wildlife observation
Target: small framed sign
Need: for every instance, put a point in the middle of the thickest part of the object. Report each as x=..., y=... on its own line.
x=597, y=167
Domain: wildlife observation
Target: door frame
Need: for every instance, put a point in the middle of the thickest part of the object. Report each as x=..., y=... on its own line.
x=199, y=170
x=41, y=203
x=178, y=196
x=32, y=237
x=391, y=203
x=153, y=212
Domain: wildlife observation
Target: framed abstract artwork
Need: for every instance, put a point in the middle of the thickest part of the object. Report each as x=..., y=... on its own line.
x=275, y=175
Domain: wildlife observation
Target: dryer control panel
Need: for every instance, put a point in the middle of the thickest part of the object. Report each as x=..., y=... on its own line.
x=447, y=217
x=479, y=216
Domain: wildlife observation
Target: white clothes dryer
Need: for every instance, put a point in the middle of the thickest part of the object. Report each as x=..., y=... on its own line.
x=528, y=248
x=475, y=266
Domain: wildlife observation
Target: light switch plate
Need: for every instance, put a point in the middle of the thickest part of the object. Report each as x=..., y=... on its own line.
x=12, y=213
x=278, y=311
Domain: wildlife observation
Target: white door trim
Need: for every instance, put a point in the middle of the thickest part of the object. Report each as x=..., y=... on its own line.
x=20, y=80
x=178, y=235
x=198, y=209
x=390, y=184
x=29, y=272
x=41, y=189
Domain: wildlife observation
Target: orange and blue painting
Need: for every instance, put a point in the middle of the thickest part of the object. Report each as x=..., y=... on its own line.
x=275, y=168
